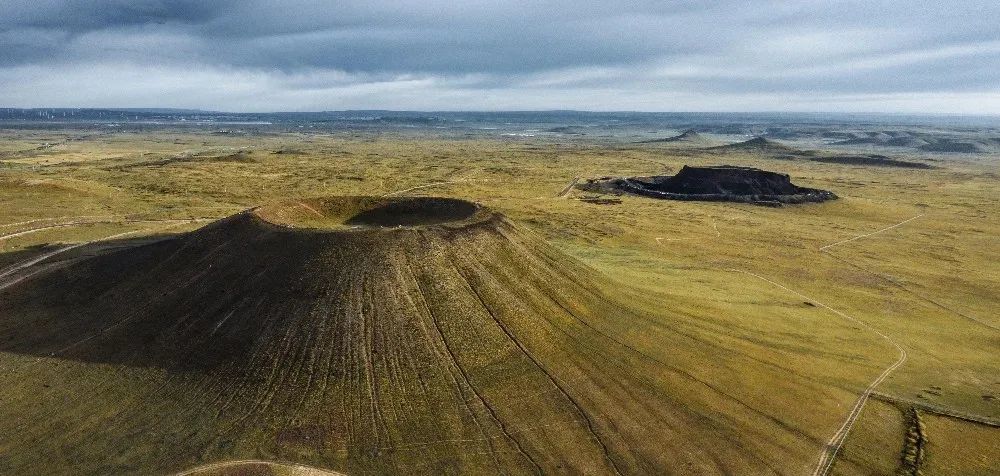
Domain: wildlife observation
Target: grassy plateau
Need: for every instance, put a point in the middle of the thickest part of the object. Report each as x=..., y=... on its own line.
x=151, y=324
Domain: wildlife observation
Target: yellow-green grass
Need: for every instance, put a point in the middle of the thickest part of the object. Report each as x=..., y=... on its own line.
x=254, y=468
x=952, y=445
x=876, y=442
x=930, y=284
x=958, y=447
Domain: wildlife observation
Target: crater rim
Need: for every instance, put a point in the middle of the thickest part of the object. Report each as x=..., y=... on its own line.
x=358, y=213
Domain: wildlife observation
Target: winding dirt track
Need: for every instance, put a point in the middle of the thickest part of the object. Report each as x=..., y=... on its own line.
x=432, y=184
x=54, y=225
x=38, y=259
x=896, y=283
x=311, y=209
x=37, y=220
x=831, y=245
x=833, y=445
x=26, y=264
x=569, y=188
x=300, y=470
x=835, y=442
x=77, y=222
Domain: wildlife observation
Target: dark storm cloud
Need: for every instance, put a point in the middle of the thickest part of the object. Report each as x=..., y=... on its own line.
x=81, y=16
x=320, y=54
x=369, y=37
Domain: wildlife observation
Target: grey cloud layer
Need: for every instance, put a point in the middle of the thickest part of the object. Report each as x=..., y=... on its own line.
x=303, y=47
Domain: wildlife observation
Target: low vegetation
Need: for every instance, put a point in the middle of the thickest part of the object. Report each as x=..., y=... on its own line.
x=567, y=335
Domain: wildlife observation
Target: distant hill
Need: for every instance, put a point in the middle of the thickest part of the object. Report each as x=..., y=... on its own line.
x=777, y=150
x=961, y=147
x=919, y=141
x=689, y=136
x=872, y=160
x=570, y=130
x=758, y=145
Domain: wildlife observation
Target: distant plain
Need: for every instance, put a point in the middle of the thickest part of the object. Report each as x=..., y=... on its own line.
x=771, y=300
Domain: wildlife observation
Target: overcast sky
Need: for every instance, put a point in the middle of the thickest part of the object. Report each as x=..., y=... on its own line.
x=309, y=55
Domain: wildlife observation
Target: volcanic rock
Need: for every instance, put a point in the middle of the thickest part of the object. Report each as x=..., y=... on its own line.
x=719, y=183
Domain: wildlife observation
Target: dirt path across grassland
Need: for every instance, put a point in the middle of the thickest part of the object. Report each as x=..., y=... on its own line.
x=54, y=225
x=38, y=220
x=297, y=469
x=833, y=445
x=432, y=184
x=831, y=245
x=311, y=209
x=26, y=264
x=569, y=188
x=896, y=283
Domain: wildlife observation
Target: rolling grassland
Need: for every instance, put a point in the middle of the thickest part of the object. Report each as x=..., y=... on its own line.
x=151, y=323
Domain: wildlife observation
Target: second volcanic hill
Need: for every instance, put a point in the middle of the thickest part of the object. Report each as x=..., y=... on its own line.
x=718, y=183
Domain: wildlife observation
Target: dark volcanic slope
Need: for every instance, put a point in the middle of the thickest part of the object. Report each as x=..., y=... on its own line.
x=453, y=344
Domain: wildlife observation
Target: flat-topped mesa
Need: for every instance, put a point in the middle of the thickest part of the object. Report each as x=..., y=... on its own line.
x=727, y=179
x=718, y=183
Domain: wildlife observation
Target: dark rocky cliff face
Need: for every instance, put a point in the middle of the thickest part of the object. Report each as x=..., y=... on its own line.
x=727, y=180
x=720, y=183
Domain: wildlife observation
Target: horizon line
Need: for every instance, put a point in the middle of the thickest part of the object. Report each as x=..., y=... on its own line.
x=453, y=111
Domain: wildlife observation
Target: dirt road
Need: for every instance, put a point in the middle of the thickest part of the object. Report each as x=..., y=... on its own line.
x=833, y=445
x=9, y=273
x=49, y=227
x=432, y=184
x=831, y=245
x=39, y=220
x=297, y=469
x=569, y=188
